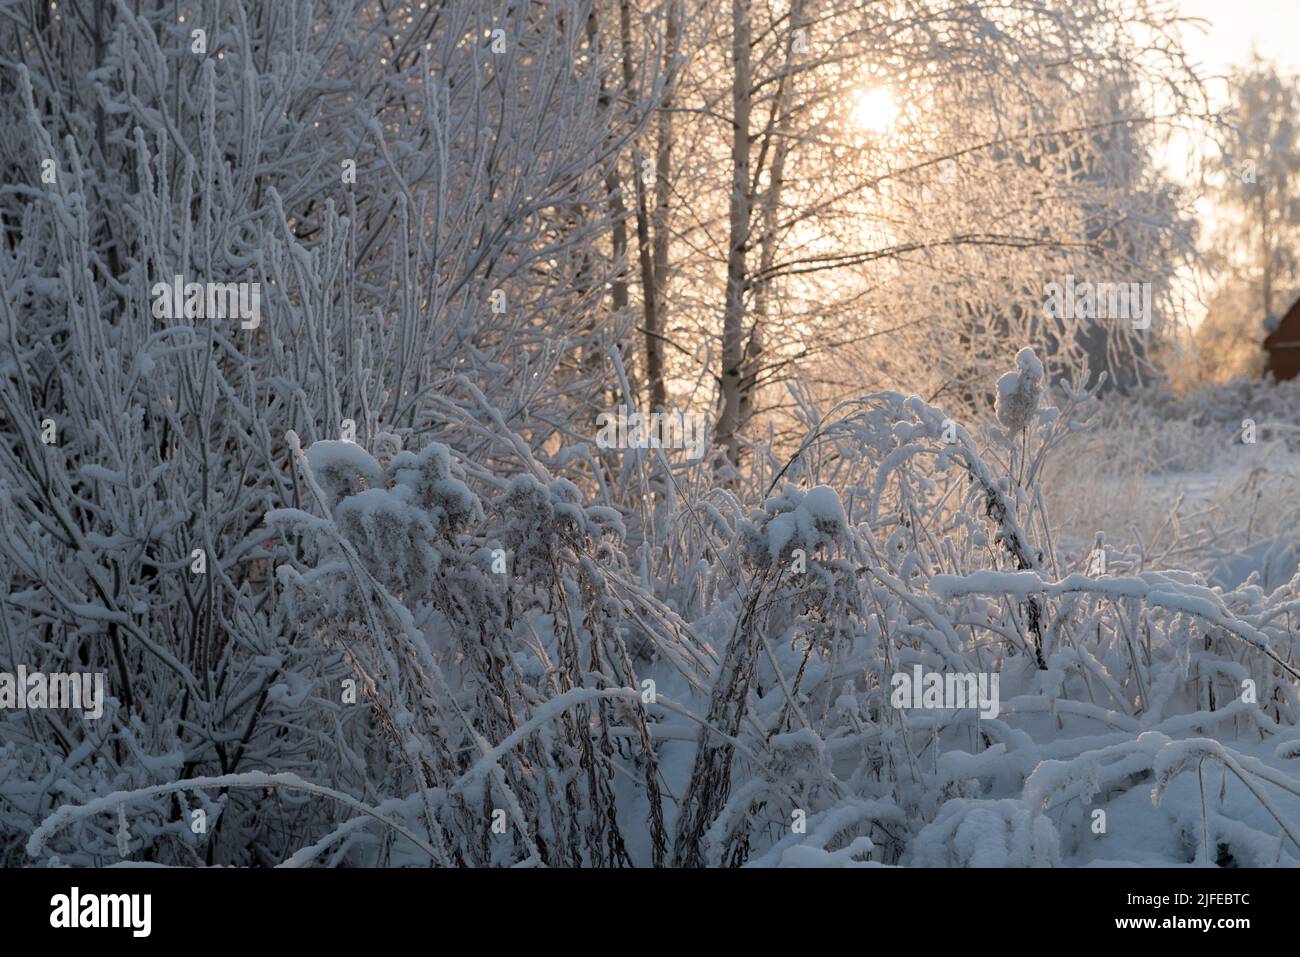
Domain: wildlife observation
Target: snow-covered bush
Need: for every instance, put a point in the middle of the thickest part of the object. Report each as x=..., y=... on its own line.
x=409, y=265
x=529, y=691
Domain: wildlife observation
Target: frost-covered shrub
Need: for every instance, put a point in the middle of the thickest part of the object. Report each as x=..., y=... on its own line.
x=456, y=657
x=141, y=451
x=796, y=520
x=1019, y=392
x=519, y=665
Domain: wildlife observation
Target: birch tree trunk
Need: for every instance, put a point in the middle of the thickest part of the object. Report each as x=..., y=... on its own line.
x=649, y=294
x=727, y=432
x=662, y=223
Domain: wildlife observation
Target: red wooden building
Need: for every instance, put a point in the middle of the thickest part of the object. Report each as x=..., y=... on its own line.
x=1283, y=345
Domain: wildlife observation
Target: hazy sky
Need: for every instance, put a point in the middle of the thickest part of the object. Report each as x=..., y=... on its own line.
x=1272, y=26
x=1235, y=26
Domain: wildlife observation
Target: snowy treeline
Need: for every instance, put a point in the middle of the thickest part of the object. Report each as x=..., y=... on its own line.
x=364, y=586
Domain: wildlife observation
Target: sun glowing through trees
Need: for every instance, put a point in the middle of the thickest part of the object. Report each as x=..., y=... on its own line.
x=875, y=110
